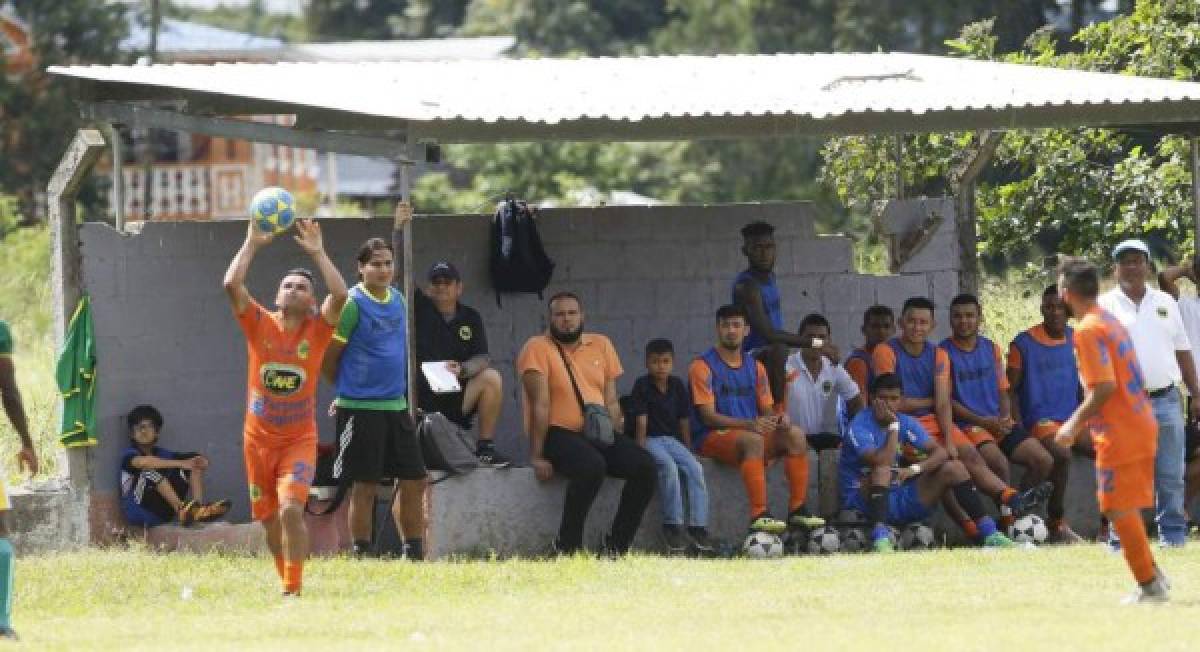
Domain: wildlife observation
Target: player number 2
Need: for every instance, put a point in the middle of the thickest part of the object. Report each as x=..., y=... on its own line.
x=303, y=473
x=1106, y=480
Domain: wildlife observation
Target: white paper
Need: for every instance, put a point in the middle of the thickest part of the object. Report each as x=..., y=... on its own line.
x=441, y=381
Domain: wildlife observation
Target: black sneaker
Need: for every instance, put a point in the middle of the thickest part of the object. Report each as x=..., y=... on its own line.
x=1031, y=498
x=702, y=544
x=361, y=550
x=9, y=633
x=491, y=458
x=676, y=539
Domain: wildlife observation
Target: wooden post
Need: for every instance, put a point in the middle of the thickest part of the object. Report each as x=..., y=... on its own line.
x=67, y=281
x=963, y=181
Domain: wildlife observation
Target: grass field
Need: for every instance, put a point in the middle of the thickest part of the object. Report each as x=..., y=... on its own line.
x=1050, y=598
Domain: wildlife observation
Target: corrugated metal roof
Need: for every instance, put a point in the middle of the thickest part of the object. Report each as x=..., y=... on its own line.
x=184, y=36
x=647, y=98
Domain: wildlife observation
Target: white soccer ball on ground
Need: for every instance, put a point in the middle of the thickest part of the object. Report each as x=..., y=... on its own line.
x=762, y=545
x=1030, y=528
x=917, y=536
x=853, y=539
x=824, y=541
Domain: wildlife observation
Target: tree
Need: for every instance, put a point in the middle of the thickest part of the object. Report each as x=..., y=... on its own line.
x=1070, y=190
x=38, y=117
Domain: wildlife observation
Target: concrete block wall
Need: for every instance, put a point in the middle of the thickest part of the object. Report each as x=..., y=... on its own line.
x=165, y=334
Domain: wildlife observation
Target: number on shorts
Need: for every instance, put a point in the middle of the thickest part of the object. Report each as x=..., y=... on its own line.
x=1106, y=480
x=302, y=473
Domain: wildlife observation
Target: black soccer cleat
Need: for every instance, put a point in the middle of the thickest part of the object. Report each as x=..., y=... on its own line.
x=1031, y=498
x=491, y=458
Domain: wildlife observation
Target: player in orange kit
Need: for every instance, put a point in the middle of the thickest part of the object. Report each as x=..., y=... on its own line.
x=1117, y=412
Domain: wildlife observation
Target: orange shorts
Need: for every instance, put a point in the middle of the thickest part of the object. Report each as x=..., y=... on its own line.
x=277, y=473
x=930, y=424
x=721, y=445
x=1045, y=429
x=978, y=436
x=1127, y=486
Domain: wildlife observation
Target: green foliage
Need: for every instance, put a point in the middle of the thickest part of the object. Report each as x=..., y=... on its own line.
x=1072, y=190
x=37, y=115
x=251, y=19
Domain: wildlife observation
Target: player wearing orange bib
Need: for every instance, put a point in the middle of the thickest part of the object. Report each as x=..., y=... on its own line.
x=284, y=350
x=1117, y=412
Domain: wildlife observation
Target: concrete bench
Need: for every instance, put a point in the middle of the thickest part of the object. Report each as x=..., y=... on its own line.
x=46, y=521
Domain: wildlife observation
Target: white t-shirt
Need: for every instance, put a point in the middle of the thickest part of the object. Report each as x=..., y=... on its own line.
x=812, y=402
x=1157, y=331
x=1189, y=311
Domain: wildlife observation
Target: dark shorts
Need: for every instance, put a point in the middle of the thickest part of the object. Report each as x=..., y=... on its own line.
x=451, y=407
x=1012, y=440
x=1191, y=442
x=904, y=504
x=145, y=506
x=376, y=444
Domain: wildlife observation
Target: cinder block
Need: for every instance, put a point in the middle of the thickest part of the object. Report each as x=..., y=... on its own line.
x=940, y=253
x=680, y=298
x=590, y=261
x=632, y=298
x=846, y=291
x=823, y=255
x=894, y=290
x=651, y=260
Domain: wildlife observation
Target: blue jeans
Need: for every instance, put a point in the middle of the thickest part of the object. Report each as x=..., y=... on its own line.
x=673, y=459
x=1169, y=510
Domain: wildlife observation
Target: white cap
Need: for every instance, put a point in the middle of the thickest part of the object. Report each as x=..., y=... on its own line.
x=1132, y=244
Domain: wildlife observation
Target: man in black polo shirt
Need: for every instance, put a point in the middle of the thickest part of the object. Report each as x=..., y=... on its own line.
x=447, y=331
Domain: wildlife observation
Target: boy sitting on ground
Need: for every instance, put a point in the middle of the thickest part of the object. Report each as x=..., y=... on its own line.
x=661, y=409
x=158, y=485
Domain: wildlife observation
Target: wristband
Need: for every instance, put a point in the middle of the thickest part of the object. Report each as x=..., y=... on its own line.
x=915, y=468
x=894, y=426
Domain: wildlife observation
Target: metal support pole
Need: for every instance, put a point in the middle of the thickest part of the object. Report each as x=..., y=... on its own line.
x=118, y=173
x=64, y=185
x=408, y=287
x=1195, y=193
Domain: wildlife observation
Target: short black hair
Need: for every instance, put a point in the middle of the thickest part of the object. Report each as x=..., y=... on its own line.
x=141, y=413
x=563, y=295
x=659, y=346
x=917, y=303
x=1050, y=290
x=814, y=319
x=1080, y=276
x=302, y=271
x=757, y=229
x=878, y=310
x=966, y=299
x=886, y=381
x=731, y=310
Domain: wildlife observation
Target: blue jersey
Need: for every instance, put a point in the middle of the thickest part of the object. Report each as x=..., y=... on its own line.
x=734, y=391
x=374, y=364
x=917, y=373
x=1049, y=387
x=771, y=304
x=974, y=377
x=864, y=437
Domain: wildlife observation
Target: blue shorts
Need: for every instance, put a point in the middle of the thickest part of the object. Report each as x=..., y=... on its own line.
x=904, y=504
x=139, y=516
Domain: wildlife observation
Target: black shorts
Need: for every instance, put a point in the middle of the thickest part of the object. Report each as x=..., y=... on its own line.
x=146, y=495
x=450, y=405
x=1191, y=442
x=1014, y=438
x=376, y=444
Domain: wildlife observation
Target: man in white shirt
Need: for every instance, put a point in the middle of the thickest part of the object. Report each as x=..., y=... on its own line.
x=816, y=385
x=1165, y=355
x=1189, y=310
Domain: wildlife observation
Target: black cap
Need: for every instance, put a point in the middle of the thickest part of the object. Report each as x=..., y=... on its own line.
x=443, y=268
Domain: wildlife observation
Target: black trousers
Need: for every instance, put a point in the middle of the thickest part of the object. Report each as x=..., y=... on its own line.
x=585, y=465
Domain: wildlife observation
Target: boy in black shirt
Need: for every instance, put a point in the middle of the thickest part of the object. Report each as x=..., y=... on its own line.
x=660, y=404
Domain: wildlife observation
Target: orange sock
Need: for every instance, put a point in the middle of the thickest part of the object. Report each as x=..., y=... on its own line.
x=969, y=528
x=754, y=476
x=279, y=565
x=1007, y=495
x=293, y=573
x=1135, y=545
x=795, y=467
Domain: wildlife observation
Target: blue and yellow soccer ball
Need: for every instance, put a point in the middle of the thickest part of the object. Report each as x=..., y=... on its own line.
x=273, y=210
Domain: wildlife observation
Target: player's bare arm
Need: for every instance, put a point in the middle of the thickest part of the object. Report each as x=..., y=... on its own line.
x=308, y=236
x=717, y=421
x=1014, y=380
x=537, y=392
x=239, y=267
x=942, y=408
x=1093, y=398
x=14, y=407
x=748, y=295
x=1168, y=278
x=329, y=364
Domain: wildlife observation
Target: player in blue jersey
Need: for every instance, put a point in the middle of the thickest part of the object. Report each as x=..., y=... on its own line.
x=879, y=325
x=756, y=292
x=980, y=400
x=894, y=472
x=1044, y=384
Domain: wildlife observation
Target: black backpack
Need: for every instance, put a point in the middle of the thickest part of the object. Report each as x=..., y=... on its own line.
x=519, y=262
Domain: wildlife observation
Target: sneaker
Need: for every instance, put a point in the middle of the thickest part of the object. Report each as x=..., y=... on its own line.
x=801, y=518
x=210, y=511
x=290, y=595
x=491, y=458
x=361, y=550
x=702, y=544
x=1153, y=592
x=883, y=545
x=1031, y=498
x=1063, y=534
x=1162, y=578
x=9, y=633
x=998, y=540
x=187, y=513
x=676, y=539
x=764, y=523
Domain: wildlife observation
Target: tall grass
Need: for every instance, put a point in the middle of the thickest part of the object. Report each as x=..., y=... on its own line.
x=25, y=300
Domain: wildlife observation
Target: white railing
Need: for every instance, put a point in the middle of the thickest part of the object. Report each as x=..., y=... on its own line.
x=187, y=191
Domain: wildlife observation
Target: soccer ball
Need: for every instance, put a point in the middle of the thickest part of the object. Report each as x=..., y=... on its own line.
x=824, y=541
x=1030, y=528
x=762, y=545
x=917, y=536
x=853, y=539
x=273, y=210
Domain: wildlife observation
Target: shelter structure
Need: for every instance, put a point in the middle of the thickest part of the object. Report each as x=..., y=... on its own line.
x=397, y=110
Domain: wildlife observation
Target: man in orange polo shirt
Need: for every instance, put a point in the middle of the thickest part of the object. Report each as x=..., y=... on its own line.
x=554, y=420
x=285, y=349
x=1117, y=412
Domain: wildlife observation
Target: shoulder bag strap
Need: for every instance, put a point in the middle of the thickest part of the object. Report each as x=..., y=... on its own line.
x=570, y=374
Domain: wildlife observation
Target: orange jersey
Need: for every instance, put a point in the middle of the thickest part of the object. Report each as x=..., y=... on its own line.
x=282, y=373
x=1125, y=429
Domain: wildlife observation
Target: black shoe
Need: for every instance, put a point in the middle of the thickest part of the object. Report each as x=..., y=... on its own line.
x=1031, y=498
x=9, y=633
x=609, y=550
x=676, y=539
x=702, y=544
x=491, y=458
x=361, y=549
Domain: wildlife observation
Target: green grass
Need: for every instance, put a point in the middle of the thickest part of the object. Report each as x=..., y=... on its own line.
x=1063, y=599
